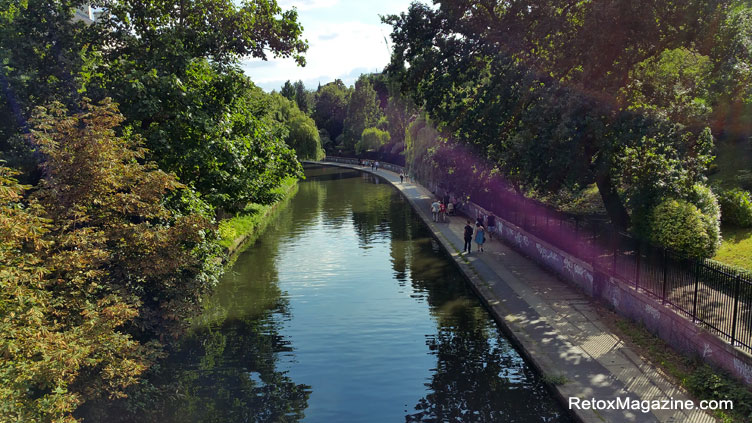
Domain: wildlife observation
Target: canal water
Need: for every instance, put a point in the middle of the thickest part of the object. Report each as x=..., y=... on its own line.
x=347, y=310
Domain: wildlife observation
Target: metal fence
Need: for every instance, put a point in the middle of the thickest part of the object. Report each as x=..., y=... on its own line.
x=713, y=295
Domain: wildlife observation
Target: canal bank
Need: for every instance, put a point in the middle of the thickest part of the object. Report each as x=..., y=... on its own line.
x=241, y=230
x=555, y=326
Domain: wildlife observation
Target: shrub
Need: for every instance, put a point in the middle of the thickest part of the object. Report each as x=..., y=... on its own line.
x=682, y=227
x=705, y=200
x=371, y=140
x=737, y=207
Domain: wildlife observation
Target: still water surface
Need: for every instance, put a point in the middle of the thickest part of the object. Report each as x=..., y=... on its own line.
x=347, y=310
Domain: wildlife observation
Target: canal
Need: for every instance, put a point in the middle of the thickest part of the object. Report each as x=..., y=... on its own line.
x=347, y=310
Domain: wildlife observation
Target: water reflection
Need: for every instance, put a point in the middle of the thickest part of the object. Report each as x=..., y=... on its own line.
x=346, y=309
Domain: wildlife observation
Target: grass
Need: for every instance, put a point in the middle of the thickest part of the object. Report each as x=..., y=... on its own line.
x=736, y=249
x=556, y=380
x=253, y=217
x=699, y=379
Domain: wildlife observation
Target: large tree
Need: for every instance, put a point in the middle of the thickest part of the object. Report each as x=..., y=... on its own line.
x=301, y=132
x=331, y=108
x=362, y=112
x=97, y=272
x=172, y=67
x=534, y=86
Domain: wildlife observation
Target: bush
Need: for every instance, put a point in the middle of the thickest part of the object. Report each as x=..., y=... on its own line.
x=737, y=207
x=682, y=227
x=371, y=140
x=705, y=200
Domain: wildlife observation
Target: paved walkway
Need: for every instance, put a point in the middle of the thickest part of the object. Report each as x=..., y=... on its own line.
x=556, y=326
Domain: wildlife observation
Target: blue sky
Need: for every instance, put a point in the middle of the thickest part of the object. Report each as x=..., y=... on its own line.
x=345, y=38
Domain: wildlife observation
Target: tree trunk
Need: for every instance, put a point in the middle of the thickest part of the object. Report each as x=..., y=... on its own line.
x=614, y=206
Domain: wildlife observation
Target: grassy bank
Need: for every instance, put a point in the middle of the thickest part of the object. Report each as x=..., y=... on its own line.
x=736, y=249
x=239, y=231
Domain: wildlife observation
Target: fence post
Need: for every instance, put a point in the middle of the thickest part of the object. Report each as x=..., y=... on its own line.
x=737, y=286
x=697, y=287
x=637, y=265
x=615, y=246
x=665, y=274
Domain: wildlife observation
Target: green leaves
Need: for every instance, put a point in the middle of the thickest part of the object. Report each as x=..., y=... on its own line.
x=736, y=205
x=362, y=112
x=683, y=228
x=94, y=267
x=371, y=140
x=302, y=134
x=542, y=92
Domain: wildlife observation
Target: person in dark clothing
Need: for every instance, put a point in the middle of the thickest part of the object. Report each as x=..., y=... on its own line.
x=491, y=225
x=468, y=237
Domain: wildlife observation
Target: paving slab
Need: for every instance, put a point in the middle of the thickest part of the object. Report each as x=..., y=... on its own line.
x=555, y=326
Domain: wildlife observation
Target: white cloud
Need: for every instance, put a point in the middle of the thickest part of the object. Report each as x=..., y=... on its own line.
x=335, y=51
x=307, y=4
x=344, y=41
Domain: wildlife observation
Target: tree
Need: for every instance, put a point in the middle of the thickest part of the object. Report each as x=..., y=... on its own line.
x=106, y=203
x=331, y=108
x=303, y=98
x=302, y=134
x=297, y=92
x=214, y=130
x=372, y=139
x=96, y=270
x=173, y=70
x=532, y=86
x=288, y=91
x=362, y=112
x=673, y=86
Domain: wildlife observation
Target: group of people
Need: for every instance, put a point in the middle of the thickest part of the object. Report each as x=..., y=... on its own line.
x=440, y=209
x=480, y=236
x=485, y=226
x=479, y=233
x=373, y=163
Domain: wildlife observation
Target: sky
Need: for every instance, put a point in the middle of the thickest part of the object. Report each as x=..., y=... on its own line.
x=345, y=37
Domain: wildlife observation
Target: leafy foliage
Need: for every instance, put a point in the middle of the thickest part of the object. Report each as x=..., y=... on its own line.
x=736, y=205
x=372, y=139
x=331, y=108
x=362, y=112
x=302, y=134
x=298, y=93
x=534, y=89
x=109, y=254
x=214, y=131
x=173, y=70
x=682, y=227
x=96, y=270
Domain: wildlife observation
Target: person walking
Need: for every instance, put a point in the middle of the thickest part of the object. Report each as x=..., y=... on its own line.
x=435, y=210
x=480, y=236
x=468, y=237
x=402, y=177
x=442, y=211
x=480, y=220
x=491, y=220
x=377, y=165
